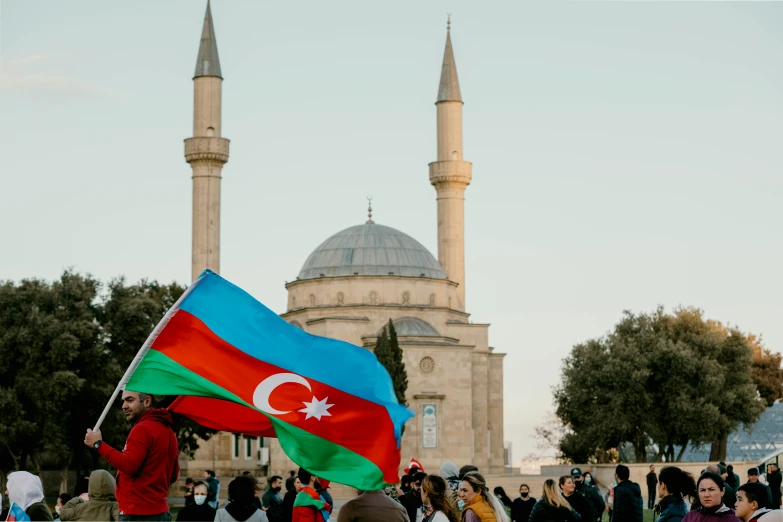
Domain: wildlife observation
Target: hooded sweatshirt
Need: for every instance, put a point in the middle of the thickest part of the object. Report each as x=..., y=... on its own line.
x=102, y=505
x=147, y=466
x=719, y=514
x=26, y=491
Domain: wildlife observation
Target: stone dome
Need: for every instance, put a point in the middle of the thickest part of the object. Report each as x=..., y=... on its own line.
x=412, y=327
x=371, y=249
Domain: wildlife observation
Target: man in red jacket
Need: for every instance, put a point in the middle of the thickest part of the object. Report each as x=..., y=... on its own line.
x=149, y=462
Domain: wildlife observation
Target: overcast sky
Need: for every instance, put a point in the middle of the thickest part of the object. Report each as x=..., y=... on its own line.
x=625, y=154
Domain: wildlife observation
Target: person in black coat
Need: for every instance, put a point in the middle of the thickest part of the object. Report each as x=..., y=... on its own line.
x=522, y=506
x=774, y=480
x=652, y=486
x=577, y=501
x=628, y=502
x=411, y=500
x=553, y=507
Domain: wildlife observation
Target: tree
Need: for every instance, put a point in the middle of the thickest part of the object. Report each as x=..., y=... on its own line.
x=766, y=371
x=658, y=379
x=389, y=354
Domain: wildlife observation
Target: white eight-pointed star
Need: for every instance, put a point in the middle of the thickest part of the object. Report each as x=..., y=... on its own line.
x=316, y=408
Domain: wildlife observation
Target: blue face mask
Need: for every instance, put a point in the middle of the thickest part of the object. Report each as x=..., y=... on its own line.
x=588, y=480
x=460, y=504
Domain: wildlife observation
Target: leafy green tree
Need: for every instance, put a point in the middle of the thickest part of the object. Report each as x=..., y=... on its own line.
x=662, y=379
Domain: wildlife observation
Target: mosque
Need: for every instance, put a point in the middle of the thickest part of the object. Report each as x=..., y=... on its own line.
x=359, y=278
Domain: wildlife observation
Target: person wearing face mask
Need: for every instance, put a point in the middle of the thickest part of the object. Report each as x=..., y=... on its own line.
x=272, y=501
x=61, y=501
x=592, y=495
x=199, y=510
x=26, y=491
x=588, y=481
x=522, y=506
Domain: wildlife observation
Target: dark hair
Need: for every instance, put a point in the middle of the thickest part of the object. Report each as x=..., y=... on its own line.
x=729, y=468
x=717, y=479
x=524, y=486
x=274, y=477
x=200, y=483
x=437, y=489
x=419, y=476
x=563, y=479
x=413, y=470
x=499, y=491
x=292, y=473
x=756, y=492
x=467, y=468
x=623, y=473
x=64, y=498
x=305, y=476
x=210, y=471
x=188, y=480
x=753, y=471
x=406, y=480
x=677, y=481
x=242, y=490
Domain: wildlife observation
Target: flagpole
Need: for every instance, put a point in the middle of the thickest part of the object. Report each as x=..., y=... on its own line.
x=146, y=347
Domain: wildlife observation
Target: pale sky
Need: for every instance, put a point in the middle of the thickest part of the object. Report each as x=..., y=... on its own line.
x=625, y=154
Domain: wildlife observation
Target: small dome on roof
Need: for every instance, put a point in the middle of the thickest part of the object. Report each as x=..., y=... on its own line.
x=412, y=327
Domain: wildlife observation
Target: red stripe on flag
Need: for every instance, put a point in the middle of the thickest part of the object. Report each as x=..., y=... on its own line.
x=233, y=417
x=361, y=426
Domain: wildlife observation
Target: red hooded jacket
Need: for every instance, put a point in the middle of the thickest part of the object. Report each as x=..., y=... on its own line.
x=147, y=466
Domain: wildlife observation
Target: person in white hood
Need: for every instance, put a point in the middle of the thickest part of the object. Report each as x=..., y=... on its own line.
x=26, y=490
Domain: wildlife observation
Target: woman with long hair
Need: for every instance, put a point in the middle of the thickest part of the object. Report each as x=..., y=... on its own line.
x=434, y=491
x=553, y=507
x=710, y=488
x=588, y=480
x=673, y=485
x=478, y=504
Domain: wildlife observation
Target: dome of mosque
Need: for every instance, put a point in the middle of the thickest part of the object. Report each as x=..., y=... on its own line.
x=371, y=249
x=412, y=327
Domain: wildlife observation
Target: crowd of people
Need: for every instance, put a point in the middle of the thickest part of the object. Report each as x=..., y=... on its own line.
x=149, y=464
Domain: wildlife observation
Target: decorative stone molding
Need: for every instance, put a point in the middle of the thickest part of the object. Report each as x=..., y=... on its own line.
x=427, y=365
x=311, y=298
x=429, y=396
x=406, y=298
x=451, y=173
x=205, y=149
x=340, y=298
x=373, y=297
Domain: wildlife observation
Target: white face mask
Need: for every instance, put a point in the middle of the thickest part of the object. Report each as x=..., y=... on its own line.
x=57, y=509
x=460, y=504
x=200, y=499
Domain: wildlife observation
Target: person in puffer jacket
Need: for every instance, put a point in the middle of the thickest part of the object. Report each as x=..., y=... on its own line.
x=710, y=488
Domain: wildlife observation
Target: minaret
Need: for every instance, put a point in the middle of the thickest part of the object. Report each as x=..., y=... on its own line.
x=206, y=152
x=450, y=174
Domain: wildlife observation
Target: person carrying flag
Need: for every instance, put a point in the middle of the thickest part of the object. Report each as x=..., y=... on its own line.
x=308, y=506
x=149, y=462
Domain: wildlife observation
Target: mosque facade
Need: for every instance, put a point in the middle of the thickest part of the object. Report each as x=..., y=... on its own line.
x=358, y=279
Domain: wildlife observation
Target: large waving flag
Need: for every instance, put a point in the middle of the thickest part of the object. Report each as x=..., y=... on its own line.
x=239, y=367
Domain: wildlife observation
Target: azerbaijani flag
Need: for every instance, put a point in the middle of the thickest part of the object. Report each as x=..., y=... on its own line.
x=238, y=367
x=17, y=514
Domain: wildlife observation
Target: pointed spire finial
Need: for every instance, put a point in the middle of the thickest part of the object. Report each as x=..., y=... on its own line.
x=449, y=83
x=208, y=63
x=369, y=211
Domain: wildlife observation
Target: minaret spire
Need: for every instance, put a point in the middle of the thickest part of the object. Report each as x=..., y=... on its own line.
x=208, y=63
x=450, y=174
x=207, y=152
x=449, y=82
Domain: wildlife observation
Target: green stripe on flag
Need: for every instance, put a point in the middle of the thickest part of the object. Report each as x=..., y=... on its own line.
x=305, y=500
x=159, y=374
